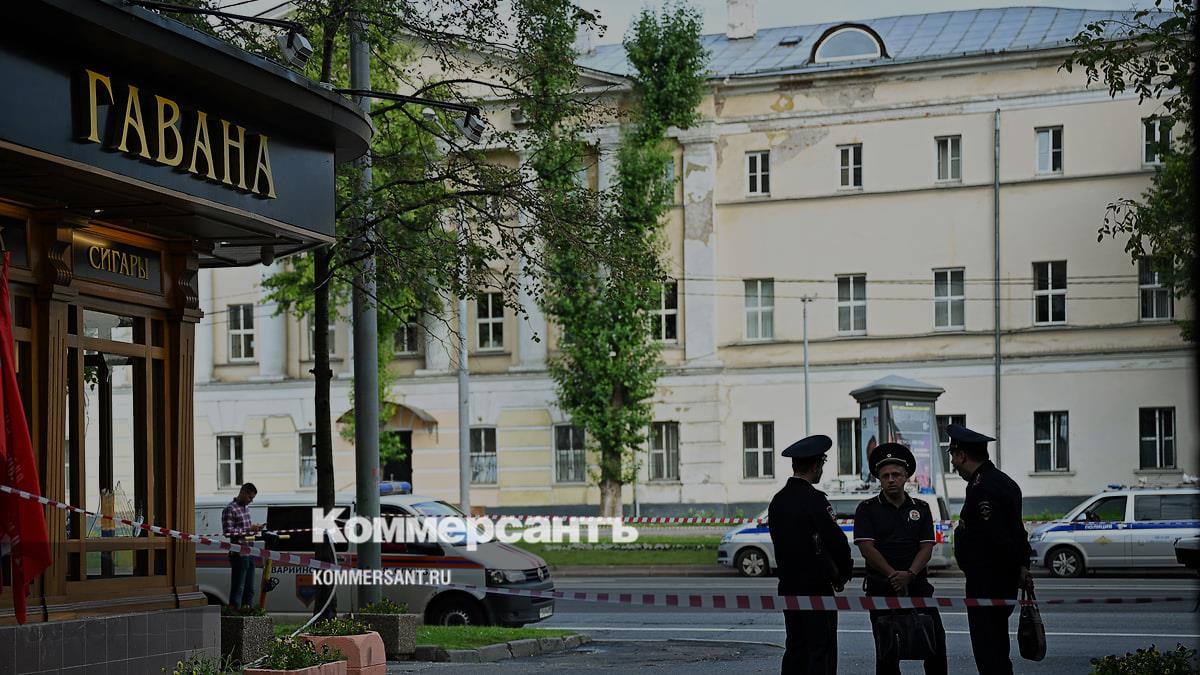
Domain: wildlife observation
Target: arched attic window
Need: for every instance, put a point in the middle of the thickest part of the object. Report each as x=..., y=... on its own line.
x=848, y=42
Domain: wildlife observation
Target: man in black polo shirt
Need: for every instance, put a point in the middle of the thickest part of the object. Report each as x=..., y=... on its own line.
x=895, y=534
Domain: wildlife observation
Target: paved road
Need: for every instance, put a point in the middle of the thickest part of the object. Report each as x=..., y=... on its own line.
x=706, y=641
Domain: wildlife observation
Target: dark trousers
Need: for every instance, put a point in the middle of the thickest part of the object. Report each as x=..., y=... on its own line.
x=241, y=580
x=811, y=642
x=989, y=625
x=919, y=588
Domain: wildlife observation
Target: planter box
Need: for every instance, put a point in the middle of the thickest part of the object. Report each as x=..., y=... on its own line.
x=364, y=653
x=398, y=632
x=246, y=638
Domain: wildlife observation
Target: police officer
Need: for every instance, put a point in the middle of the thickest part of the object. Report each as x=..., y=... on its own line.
x=895, y=534
x=990, y=544
x=812, y=557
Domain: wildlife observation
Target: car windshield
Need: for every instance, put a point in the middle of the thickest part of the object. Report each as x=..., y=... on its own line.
x=442, y=509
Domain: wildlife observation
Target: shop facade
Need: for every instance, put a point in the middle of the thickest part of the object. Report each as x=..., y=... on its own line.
x=133, y=153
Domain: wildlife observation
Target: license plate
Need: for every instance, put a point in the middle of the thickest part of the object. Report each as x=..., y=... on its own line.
x=545, y=612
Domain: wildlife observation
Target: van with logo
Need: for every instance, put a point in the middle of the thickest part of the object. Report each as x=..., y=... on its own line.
x=748, y=548
x=1120, y=527
x=490, y=564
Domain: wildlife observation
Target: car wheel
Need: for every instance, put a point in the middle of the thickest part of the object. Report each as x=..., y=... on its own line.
x=1065, y=562
x=751, y=562
x=455, y=611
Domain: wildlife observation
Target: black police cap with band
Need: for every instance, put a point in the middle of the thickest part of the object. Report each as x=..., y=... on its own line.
x=891, y=453
x=962, y=438
x=813, y=446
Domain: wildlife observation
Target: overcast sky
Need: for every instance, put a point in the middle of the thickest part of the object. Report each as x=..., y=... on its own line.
x=616, y=14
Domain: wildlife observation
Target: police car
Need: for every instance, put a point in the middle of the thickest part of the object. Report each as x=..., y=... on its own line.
x=1120, y=527
x=748, y=548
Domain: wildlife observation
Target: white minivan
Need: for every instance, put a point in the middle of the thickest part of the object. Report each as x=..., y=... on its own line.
x=490, y=564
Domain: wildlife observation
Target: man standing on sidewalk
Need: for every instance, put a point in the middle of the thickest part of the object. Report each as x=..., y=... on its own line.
x=990, y=545
x=895, y=534
x=812, y=557
x=235, y=524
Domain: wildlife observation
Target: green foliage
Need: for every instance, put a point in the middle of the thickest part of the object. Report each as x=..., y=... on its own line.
x=203, y=665
x=666, y=53
x=1151, y=54
x=384, y=606
x=1180, y=661
x=288, y=653
x=339, y=626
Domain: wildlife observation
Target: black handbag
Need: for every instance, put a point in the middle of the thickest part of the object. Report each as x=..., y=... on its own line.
x=905, y=635
x=1031, y=634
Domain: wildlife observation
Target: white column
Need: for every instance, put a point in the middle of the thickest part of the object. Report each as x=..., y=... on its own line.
x=204, y=330
x=699, y=246
x=439, y=343
x=531, y=328
x=608, y=141
x=270, y=334
x=347, y=372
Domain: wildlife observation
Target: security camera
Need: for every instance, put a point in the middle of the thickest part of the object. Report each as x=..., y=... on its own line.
x=295, y=47
x=472, y=126
x=267, y=253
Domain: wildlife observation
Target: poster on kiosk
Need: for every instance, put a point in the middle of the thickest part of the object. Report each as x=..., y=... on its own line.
x=900, y=410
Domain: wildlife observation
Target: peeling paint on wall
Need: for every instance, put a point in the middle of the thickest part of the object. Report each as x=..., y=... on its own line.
x=786, y=145
x=783, y=103
x=843, y=97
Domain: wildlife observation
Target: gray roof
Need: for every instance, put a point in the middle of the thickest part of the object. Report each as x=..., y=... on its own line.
x=916, y=37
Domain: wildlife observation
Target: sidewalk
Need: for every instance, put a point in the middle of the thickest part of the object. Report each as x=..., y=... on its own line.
x=570, y=571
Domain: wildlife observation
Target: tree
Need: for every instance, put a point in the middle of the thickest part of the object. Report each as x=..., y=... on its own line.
x=607, y=365
x=1152, y=52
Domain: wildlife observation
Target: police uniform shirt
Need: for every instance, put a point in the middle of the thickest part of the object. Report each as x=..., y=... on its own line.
x=990, y=537
x=811, y=552
x=896, y=531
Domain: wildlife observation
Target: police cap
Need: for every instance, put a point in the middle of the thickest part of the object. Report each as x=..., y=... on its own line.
x=892, y=453
x=813, y=446
x=962, y=438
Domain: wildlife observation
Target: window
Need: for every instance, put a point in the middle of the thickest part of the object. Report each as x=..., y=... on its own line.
x=847, y=44
x=407, y=339
x=483, y=456
x=489, y=313
x=1157, y=298
x=666, y=317
x=758, y=172
x=229, y=461
x=1156, y=429
x=1166, y=507
x=312, y=339
x=949, y=300
x=760, y=309
x=944, y=421
x=758, y=453
x=949, y=157
x=570, y=461
x=1049, y=150
x=241, y=332
x=664, y=451
x=1105, y=510
x=1050, y=441
x=849, y=440
x=1050, y=292
x=308, y=459
x=852, y=304
x=1156, y=139
x=850, y=163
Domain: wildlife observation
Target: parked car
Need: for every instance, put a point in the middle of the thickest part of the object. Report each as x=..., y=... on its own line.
x=1120, y=527
x=748, y=548
x=491, y=563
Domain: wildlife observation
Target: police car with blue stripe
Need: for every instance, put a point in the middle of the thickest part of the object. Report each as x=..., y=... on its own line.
x=748, y=548
x=1120, y=527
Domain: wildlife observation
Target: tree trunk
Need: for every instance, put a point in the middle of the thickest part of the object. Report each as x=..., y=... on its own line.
x=322, y=412
x=610, y=498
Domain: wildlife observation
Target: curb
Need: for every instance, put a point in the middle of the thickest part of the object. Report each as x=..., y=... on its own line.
x=498, y=652
x=642, y=571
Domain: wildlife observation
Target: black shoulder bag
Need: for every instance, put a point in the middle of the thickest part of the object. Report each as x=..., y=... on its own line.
x=1031, y=634
x=905, y=635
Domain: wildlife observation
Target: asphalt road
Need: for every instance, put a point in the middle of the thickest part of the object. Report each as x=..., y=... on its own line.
x=707, y=641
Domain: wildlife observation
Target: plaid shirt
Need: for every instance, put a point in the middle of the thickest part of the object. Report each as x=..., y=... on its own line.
x=235, y=518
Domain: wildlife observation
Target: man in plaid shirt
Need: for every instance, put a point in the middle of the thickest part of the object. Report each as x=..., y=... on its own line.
x=235, y=524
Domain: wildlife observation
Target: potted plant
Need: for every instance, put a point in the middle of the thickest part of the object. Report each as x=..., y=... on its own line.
x=396, y=627
x=246, y=633
x=362, y=646
x=299, y=657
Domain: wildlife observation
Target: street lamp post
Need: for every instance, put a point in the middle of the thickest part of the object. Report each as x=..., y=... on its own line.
x=807, y=412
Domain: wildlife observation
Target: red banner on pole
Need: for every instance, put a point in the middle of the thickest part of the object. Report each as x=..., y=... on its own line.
x=22, y=522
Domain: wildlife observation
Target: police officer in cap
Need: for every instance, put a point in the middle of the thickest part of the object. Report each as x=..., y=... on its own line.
x=812, y=557
x=990, y=544
x=895, y=534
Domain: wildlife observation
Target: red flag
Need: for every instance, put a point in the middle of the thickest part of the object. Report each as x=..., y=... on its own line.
x=22, y=521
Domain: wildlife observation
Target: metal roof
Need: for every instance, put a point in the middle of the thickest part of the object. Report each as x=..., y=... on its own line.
x=910, y=38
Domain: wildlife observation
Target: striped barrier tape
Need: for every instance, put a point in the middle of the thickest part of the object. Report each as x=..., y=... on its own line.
x=703, y=601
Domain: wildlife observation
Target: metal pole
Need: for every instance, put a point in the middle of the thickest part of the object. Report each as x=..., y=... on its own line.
x=366, y=339
x=996, y=276
x=807, y=412
x=464, y=384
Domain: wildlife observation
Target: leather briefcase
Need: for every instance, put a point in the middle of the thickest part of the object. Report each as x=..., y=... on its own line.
x=1031, y=634
x=906, y=635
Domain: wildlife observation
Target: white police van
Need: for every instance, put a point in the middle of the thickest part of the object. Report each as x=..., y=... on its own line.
x=490, y=564
x=1120, y=527
x=748, y=548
